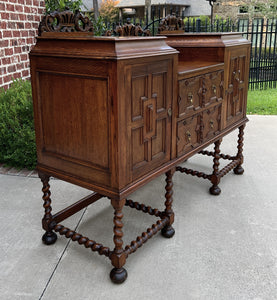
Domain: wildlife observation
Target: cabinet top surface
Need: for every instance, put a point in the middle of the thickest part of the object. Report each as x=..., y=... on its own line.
x=206, y=39
x=86, y=45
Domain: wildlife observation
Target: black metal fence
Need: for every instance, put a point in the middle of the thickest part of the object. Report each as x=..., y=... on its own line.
x=261, y=33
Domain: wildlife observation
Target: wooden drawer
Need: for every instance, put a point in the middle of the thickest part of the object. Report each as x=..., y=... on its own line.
x=188, y=131
x=212, y=122
x=213, y=88
x=197, y=129
x=189, y=95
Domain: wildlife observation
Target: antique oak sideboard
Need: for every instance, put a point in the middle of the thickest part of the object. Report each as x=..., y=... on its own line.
x=112, y=113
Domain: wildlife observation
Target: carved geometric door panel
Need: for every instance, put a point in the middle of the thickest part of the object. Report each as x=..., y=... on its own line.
x=150, y=116
x=189, y=95
x=236, y=88
x=213, y=87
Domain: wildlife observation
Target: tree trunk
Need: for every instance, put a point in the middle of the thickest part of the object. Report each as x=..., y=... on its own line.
x=148, y=10
x=95, y=9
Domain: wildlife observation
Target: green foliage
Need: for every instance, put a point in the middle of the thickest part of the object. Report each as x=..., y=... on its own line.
x=109, y=11
x=99, y=26
x=17, y=136
x=262, y=102
x=61, y=5
x=262, y=8
x=190, y=21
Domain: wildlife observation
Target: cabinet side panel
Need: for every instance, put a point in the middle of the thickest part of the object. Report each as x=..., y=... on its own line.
x=74, y=118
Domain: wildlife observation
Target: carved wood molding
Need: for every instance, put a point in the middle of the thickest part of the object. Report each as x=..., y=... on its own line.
x=171, y=23
x=65, y=21
x=129, y=29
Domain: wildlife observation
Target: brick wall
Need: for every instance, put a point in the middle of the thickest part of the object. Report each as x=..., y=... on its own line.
x=19, y=20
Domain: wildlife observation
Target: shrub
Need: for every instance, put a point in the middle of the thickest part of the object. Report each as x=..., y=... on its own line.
x=109, y=11
x=61, y=5
x=17, y=135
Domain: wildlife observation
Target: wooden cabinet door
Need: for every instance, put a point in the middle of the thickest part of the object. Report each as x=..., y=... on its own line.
x=149, y=100
x=237, y=84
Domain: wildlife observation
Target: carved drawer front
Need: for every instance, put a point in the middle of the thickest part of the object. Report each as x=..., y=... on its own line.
x=189, y=97
x=212, y=122
x=213, y=87
x=188, y=134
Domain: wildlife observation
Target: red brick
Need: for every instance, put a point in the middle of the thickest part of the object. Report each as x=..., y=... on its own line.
x=28, y=25
x=15, y=59
x=4, y=43
x=12, y=1
x=13, y=42
x=16, y=75
x=35, y=3
x=30, y=17
x=5, y=16
x=22, y=42
x=6, y=61
x=2, y=6
x=20, y=66
x=7, y=33
x=40, y=11
x=14, y=16
x=2, y=52
x=27, y=9
x=11, y=25
x=20, y=25
x=11, y=69
x=18, y=8
x=1, y=81
x=9, y=7
x=9, y=51
x=22, y=17
x=34, y=10
x=24, y=33
x=3, y=25
x=30, y=40
x=3, y=71
x=23, y=57
x=21, y=1
x=17, y=50
x=7, y=78
x=25, y=73
x=37, y=18
x=16, y=33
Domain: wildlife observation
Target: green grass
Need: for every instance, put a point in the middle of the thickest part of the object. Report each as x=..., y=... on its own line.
x=262, y=102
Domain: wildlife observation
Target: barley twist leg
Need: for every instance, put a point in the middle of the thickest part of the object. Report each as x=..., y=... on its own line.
x=49, y=236
x=239, y=169
x=118, y=257
x=215, y=178
x=168, y=231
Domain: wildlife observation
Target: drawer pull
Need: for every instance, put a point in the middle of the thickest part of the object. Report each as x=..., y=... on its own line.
x=190, y=97
x=214, y=89
x=188, y=136
x=212, y=123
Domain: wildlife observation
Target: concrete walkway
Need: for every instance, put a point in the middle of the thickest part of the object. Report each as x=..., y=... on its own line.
x=225, y=247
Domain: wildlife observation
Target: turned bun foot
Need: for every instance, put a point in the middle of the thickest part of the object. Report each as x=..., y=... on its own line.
x=49, y=238
x=215, y=190
x=239, y=170
x=168, y=231
x=118, y=275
